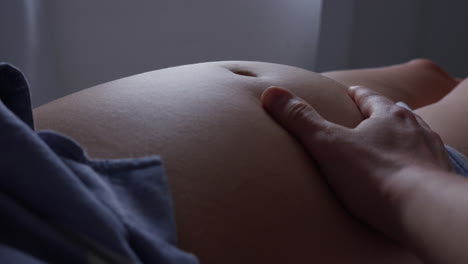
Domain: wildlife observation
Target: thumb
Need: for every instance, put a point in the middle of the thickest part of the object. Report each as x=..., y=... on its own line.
x=294, y=114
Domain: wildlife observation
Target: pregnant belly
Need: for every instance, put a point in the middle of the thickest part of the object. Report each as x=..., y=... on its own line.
x=244, y=190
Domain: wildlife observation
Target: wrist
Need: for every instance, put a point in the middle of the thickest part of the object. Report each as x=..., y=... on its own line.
x=417, y=186
x=400, y=192
x=432, y=216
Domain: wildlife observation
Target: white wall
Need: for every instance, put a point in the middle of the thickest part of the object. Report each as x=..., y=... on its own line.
x=25, y=42
x=368, y=33
x=336, y=35
x=68, y=45
x=444, y=37
x=98, y=41
x=365, y=33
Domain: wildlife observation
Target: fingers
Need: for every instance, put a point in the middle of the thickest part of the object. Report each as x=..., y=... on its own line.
x=294, y=114
x=372, y=104
x=369, y=102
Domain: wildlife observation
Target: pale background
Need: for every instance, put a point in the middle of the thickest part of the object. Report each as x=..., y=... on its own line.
x=64, y=46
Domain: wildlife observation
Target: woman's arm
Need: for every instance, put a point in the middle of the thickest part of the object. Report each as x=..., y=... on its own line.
x=244, y=191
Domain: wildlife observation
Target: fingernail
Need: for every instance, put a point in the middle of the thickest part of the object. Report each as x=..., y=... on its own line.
x=352, y=90
x=404, y=105
x=354, y=87
x=273, y=98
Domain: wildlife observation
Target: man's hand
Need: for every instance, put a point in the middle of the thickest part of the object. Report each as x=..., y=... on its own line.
x=364, y=165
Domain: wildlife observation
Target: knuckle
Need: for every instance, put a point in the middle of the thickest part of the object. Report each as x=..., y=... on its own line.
x=370, y=99
x=297, y=111
x=400, y=112
x=363, y=94
x=326, y=133
x=326, y=136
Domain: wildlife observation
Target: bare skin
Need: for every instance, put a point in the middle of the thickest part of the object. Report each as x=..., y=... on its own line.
x=437, y=97
x=397, y=176
x=419, y=82
x=447, y=116
x=237, y=198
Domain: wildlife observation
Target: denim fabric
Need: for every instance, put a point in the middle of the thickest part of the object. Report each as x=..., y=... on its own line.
x=59, y=206
x=459, y=161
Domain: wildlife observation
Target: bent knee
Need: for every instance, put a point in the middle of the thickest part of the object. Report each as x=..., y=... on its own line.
x=430, y=66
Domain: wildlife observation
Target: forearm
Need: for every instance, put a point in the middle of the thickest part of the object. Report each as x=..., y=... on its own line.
x=433, y=217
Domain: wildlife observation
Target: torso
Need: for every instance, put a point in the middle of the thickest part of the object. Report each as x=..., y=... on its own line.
x=244, y=190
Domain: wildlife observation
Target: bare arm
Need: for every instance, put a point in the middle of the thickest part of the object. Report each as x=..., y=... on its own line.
x=434, y=217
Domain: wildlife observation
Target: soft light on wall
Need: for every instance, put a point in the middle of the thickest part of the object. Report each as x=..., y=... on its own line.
x=66, y=45
x=99, y=41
